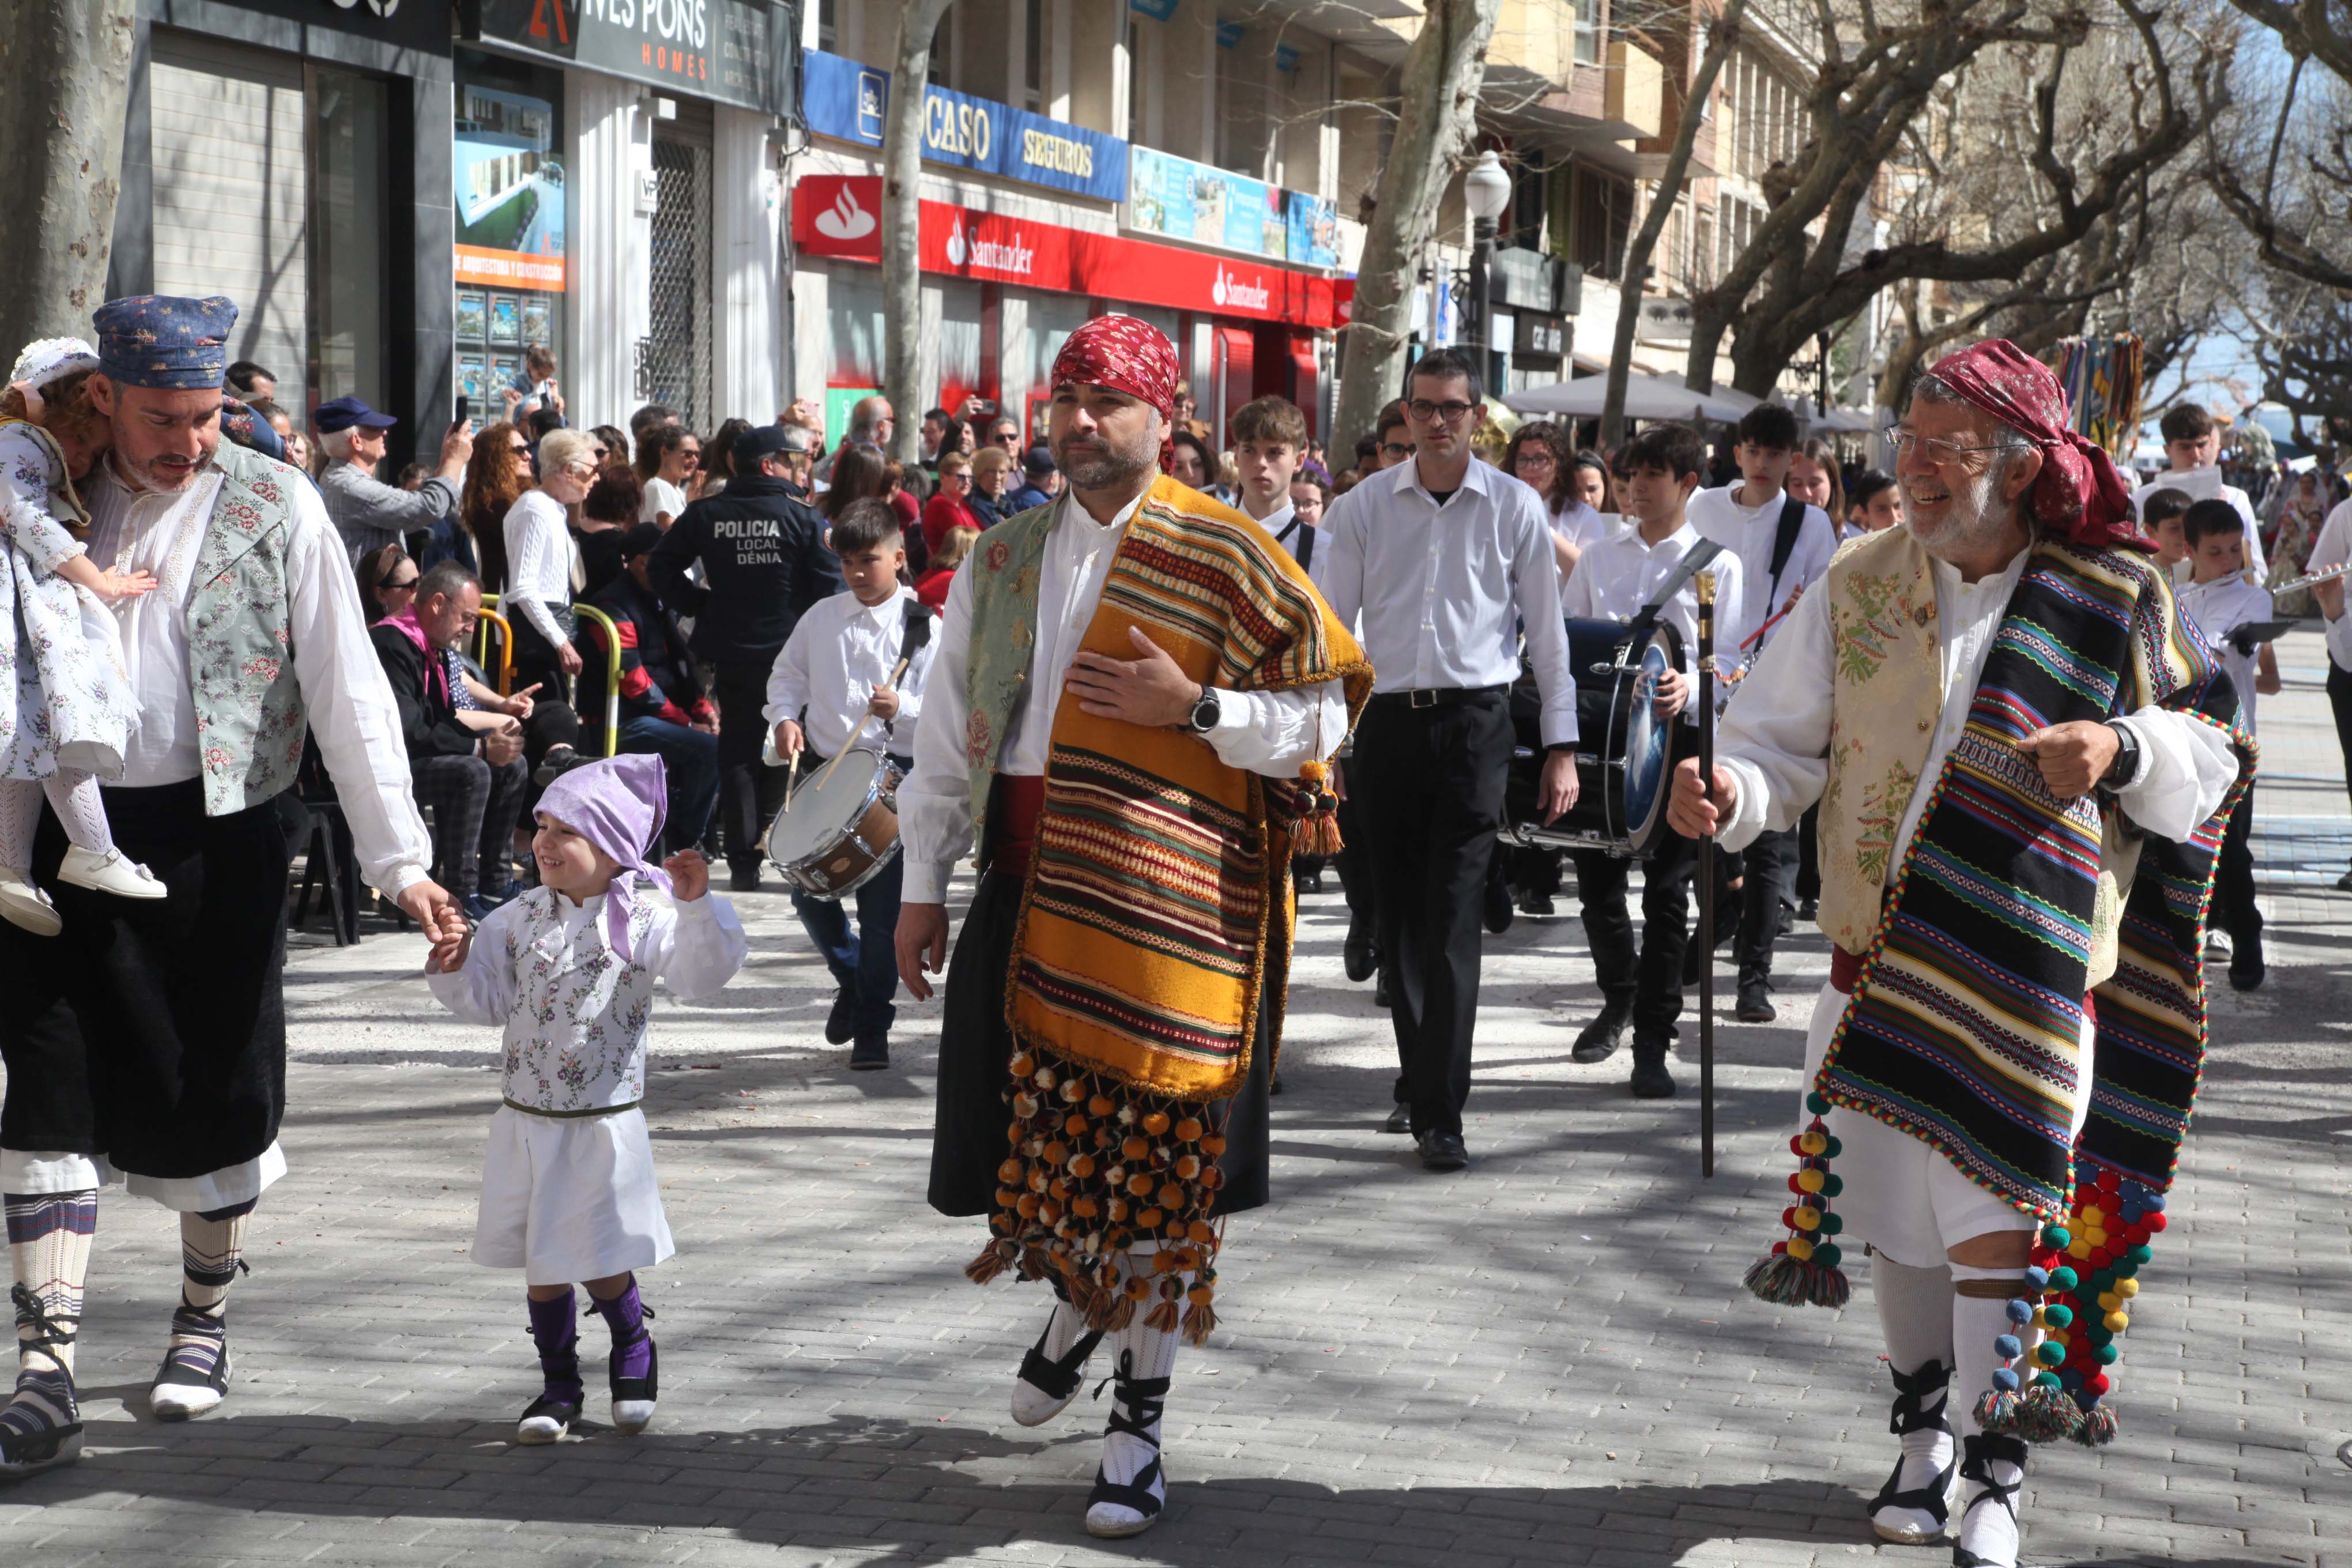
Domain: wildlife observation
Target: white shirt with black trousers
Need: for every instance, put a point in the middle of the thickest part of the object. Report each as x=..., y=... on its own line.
x=1614, y=581
x=1443, y=584
x=1784, y=547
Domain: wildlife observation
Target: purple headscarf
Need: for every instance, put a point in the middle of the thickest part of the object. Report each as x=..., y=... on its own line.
x=617, y=806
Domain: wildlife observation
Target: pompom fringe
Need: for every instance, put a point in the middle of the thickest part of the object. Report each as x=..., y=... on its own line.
x=1996, y=1411
x=1319, y=835
x=1786, y=1281
x=993, y=1259
x=2047, y=1414
x=1199, y=1323
x=1161, y=1319
x=2098, y=1427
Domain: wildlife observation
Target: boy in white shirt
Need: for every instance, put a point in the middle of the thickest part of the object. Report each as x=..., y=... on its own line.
x=1269, y=439
x=2221, y=598
x=2192, y=445
x=831, y=689
x=1614, y=578
x=1784, y=546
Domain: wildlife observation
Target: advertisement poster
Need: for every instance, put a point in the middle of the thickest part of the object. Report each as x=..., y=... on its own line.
x=506, y=320
x=471, y=374
x=1184, y=200
x=473, y=315
x=509, y=191
x=1313, y=225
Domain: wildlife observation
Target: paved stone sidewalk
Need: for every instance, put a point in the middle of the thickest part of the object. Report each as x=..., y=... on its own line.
x=1548, y=1359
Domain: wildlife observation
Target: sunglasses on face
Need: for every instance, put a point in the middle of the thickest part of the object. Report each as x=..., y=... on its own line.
x=399, y=586
x=690, y=458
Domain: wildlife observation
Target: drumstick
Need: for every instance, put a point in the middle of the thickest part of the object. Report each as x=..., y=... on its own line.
x=895, y=676
x=1707, y=879
x=791, y=777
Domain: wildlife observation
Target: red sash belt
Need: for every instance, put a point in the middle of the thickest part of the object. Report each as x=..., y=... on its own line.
x=1014, y=805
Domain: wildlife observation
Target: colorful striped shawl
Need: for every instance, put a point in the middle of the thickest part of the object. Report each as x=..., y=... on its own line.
x=1156, y=908
x=1964, y=1026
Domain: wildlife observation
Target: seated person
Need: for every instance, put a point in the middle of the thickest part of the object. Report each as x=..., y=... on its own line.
x=464, y=763
x=663, y=708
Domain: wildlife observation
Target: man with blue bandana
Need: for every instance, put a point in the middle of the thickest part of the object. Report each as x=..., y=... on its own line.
x=147, y=1043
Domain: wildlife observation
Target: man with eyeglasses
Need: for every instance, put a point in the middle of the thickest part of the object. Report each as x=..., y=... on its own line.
x=2020, y=751
x=764, y=562
x=1441, y=555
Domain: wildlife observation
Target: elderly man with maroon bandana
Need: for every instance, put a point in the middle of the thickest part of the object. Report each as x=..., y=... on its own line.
x=1135, y=696
x=2020, y=747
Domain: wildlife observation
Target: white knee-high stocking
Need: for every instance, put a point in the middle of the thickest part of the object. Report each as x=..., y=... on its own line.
x=1992, y=1466
x=20, y=813
x=1130, y=1486
x=1915, y=1313
x=73, y=796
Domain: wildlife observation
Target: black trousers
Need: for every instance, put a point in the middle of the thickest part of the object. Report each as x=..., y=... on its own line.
x=976, y=1078
x=1809, y=854
x=552, y=722
x=2233, y=878
x=750, y=792
x=1432, y=781
x=1353, y=859
x=153, y=1032
x=2339, y=699
x=1769, y=891
x=1651, y=978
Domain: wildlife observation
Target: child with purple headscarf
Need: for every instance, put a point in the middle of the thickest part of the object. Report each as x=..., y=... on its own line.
x=567, y=1188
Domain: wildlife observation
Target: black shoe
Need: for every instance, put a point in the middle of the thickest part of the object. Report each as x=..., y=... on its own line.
x=1443, y=1151
x=1274, y=1084
x=1535, y=904
x=2344, y=883
x=1498, y=908
x=1651, y=1078
x=841, y=1023
x=1399, y=1119
x=546, y=1420
x=1310, y=883
x=1810, y=910
x=1381, y=990
x=1602, y=1037
x=744, y=880
x=558, y=760
x=1755, y=1002
x=870, y=1054
x=1358, y=954
x=2246, y=966
x=634, y=1397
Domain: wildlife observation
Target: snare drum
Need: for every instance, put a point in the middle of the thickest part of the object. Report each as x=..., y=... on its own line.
x=840, y=827
x=1625, y=753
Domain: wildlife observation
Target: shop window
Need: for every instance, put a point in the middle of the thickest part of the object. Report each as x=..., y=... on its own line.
x=1032, y=59
x=1602, y=223
x=509, y=189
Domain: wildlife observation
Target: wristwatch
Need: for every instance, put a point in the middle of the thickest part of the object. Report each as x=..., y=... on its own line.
x=1204, y=712
x=2124, y=771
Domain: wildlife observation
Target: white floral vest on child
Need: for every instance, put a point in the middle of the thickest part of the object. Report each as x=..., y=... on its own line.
x=575, y=1039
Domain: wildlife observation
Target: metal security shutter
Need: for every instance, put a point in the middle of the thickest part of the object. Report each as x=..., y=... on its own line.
x=676, y=362
x=232, y=193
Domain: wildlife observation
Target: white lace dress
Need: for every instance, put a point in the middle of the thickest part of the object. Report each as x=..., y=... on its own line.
x=65, y=699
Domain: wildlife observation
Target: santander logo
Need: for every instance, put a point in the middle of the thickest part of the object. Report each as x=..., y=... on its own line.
x=1006, y=255
x=1240, y=296
x=846, y=219
x=957, y=249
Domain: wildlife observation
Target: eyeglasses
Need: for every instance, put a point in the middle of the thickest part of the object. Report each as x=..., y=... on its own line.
x=600, y=453
x=1395, y=449
x=520, y=448
x=690, y=458
x=1535, y=457
x=405, y=585
x=1939, y=449
x=1452, y=410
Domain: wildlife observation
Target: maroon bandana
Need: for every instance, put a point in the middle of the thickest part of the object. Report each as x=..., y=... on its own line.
x=2079, y=496
x=1126, y=355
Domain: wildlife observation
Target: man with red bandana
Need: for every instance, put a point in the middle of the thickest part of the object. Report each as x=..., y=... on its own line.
x=2020, y=747
x=1126, y=679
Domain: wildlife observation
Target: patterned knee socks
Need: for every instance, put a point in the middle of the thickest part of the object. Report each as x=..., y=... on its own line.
x=1140, y=1353
x=625, y=1316
x=556, y=1328
x=211, y=1246
x=48, y=1245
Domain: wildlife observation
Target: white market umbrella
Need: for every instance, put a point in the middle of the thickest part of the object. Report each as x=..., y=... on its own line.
x=1646, y=397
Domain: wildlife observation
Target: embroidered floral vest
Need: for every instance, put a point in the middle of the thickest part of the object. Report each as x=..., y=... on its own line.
x=1003, y=641
x=1886, y=696
x=576, y=1038
x=250, y=720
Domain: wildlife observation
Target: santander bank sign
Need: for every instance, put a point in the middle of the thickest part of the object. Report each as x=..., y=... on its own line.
x=838, y=216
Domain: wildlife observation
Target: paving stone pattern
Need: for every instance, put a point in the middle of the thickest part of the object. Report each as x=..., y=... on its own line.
x=1548, y=1359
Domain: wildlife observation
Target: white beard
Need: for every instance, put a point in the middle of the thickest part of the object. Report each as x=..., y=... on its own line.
x=1971, y=524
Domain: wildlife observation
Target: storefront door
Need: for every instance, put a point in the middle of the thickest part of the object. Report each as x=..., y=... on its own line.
x=675, y=368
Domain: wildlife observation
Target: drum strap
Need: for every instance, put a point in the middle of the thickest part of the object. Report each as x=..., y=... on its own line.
x=1784, y=539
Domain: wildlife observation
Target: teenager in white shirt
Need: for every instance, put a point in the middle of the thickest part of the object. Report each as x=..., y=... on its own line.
x=1659, y=470
x=831, y=689
x=2221, y=597
x=1749, y=518
x=1269, y=439
x=2192, y=446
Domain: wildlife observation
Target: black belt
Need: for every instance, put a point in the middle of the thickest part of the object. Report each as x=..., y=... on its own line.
x=1438, y=696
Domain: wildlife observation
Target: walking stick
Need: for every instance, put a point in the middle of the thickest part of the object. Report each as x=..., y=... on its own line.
x=1707, y=879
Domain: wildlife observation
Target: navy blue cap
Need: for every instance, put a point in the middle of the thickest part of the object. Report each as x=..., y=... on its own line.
x=1037, y=462
x=343, y=413
x=759, y=441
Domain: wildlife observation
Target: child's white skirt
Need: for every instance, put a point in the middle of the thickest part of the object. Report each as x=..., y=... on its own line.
x=570, y=1199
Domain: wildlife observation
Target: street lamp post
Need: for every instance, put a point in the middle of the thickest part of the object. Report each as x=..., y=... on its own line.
x=1487, y=192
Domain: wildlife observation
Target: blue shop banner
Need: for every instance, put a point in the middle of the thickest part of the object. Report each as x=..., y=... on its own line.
x=844, y=99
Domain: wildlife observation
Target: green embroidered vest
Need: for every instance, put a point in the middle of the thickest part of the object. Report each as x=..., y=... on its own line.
x=250, y=720
x=1003, y=641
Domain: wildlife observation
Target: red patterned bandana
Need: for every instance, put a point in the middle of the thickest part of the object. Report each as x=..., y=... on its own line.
x=1125, y=354
x=2080, y=495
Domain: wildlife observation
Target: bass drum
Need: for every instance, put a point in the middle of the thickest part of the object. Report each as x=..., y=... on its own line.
x=1625, y=753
